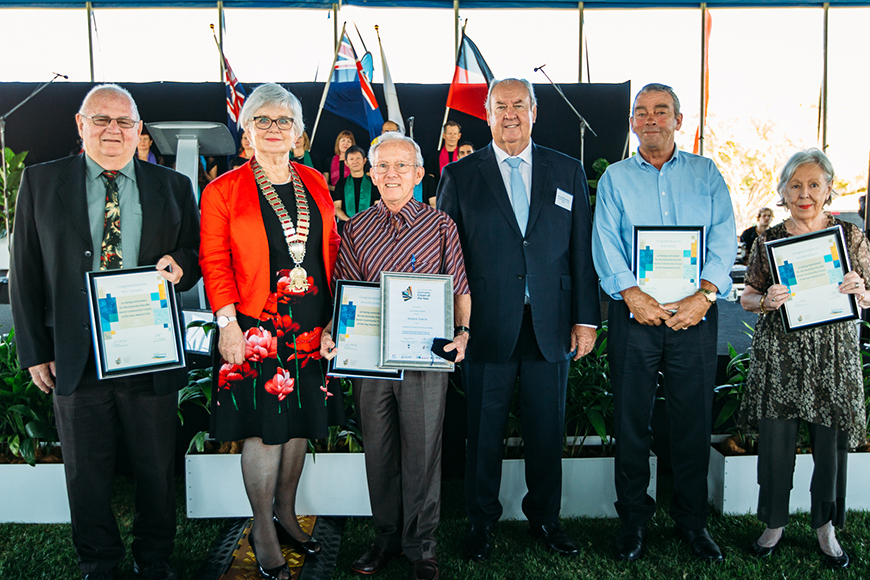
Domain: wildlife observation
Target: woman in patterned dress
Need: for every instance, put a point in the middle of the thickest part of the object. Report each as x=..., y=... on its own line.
x=811, y=375
x=268, y=251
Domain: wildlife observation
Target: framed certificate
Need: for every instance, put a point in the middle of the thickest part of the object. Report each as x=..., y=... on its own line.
x=812, y=266
x=667, y=261
x=356, y=329
x=416, y=309
x=134, y=322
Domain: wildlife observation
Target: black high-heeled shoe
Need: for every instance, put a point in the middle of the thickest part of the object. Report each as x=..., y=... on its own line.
x=268, y=573
x=760, y=551
x=309, y=547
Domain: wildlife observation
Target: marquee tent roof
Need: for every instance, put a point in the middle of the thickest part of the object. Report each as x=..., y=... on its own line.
x=433, y=3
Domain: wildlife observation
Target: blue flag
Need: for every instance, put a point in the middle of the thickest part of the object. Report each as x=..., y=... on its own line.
x=350, y=92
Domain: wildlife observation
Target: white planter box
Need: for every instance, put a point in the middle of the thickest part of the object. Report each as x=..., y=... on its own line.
x=332, y=484
x=588, y=488
x=732, y=483
x=33, y=495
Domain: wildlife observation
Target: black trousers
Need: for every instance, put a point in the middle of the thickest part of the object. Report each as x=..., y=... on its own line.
x=402, y=423
x=777, y=442
x=90, y=422
x=489, y=390
x=688, y=360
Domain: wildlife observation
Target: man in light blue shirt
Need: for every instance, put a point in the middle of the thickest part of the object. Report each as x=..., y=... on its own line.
x=662, y=186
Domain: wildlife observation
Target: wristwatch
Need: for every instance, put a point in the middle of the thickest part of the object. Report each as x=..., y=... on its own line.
x=459, y=329
x=223, y=321
x=709, y=295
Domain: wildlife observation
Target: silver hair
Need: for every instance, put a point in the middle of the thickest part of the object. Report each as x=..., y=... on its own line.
x=814, y=156
x=271, y=94
x=397, y=137
x=109, y=88
x=658, y=88
x=495, y=82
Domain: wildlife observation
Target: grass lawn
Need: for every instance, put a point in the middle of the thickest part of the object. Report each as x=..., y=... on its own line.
x=33, y=552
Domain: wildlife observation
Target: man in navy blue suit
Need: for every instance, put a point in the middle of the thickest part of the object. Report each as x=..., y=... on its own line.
x=525, y=226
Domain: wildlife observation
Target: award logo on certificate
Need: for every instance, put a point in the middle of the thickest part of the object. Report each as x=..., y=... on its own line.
x=356, y=329
x=134, y=322
x=667, y=261
x=415, y=310
x=812, y=266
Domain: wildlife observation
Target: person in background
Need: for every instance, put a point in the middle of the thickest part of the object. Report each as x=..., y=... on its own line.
x=353, y=194
x=811, y=375
x=389, y=126
x=143, y=149
x=301, y=152
x=452, y=133
x=337, y=167
x=465, y=148
x=268, y=250
x=245, y=152
x=103, y=210
x=749, y=235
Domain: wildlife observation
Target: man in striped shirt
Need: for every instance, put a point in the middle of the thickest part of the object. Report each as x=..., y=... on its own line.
x=402, y=420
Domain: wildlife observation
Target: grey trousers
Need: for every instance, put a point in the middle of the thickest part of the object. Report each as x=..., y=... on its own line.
x=777, y=441
x=402, y=423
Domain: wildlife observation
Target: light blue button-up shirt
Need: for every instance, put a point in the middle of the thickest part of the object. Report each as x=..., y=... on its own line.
x=688, y=191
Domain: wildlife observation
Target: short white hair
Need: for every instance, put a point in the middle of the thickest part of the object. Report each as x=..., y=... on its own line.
x=108, y=89
x=533, y=102
x=393, y=136
x=275, y=95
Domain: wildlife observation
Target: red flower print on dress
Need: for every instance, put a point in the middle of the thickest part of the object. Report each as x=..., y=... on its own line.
x=230, y=373
x=270, y=310
x=307, y=346
x=284, y=325
x=281, y=384
x=285, y=292
x=260, y=344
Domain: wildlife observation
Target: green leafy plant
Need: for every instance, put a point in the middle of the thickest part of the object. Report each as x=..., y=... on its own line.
x=589, y=401
x=26, y=413
x=342, y=438
x=198, y=392
x=14, y=169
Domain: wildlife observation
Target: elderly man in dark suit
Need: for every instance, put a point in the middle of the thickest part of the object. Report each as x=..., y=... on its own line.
x=103, y=209
x=525, y=226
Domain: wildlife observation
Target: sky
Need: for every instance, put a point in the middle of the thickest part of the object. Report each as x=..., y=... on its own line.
x=765, y=64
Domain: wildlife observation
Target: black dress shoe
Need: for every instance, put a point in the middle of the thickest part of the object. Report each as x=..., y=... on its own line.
x=556, y=539
x=268, y=573
x=155, y=570
x=760, y=551
x=701, y=543
x=478, y=542
x=629, y=543
x=425, y=570
x=373, y=560
x=837, y=562
x=307, y=548
x=110, y=575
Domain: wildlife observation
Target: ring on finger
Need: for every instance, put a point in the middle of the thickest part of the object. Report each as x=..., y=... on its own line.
x=856, y=284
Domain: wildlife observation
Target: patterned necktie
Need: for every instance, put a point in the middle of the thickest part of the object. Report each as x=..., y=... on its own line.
x=110, y=253
x=518, y=194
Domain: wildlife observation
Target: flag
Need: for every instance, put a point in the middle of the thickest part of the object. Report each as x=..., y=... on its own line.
x=350, y=93
x=394, y=114
x=235, y=99
x=470, y=81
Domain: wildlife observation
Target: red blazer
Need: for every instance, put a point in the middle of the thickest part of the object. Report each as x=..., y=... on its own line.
x=234, y=252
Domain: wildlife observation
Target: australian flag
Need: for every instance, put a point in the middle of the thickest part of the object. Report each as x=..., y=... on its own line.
x=235, y=99
x=350, y=91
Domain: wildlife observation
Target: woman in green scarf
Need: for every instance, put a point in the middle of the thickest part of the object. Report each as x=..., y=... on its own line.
x=353, y=194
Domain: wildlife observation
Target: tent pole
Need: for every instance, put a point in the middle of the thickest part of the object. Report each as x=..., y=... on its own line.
x=580, y=43
x=90, y=10
x=824, y=108
x=221, y=23
x=455, y=28
x=702, y=117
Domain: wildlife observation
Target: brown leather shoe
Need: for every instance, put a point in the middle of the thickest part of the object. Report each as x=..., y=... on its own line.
x=425, y=569
x=373, y=560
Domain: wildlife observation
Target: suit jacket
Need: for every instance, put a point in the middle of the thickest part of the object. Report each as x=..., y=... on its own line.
x=52, y=249
x=235, y=252
x=554, y=257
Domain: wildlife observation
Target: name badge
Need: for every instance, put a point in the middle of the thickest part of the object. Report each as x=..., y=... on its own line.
x=564, y=199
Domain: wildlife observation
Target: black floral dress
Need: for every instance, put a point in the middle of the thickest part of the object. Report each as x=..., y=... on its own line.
x=280, y=392
x=812, y=374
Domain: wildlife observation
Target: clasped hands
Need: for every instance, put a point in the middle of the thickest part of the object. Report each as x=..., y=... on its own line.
x=328, y=351
x=678, y=315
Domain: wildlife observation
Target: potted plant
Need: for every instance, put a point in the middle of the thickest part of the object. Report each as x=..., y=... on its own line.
x=32, y=481
x=14, y=169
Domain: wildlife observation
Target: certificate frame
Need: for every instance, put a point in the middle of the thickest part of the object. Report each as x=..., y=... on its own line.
x=126, y=357
x=367, y=366
x=797, y=258
x=685, y=245
x=429, y=297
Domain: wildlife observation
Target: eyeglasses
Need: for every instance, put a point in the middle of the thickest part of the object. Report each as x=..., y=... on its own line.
x=382, y=168
x=265, y=123
x=105, y=121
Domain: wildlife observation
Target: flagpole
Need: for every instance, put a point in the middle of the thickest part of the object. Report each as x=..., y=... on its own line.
x=328, y=82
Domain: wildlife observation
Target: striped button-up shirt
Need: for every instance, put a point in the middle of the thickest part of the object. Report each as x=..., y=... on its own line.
x=416, y=239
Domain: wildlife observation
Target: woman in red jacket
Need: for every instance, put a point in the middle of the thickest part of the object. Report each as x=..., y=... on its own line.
x=268, y=250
